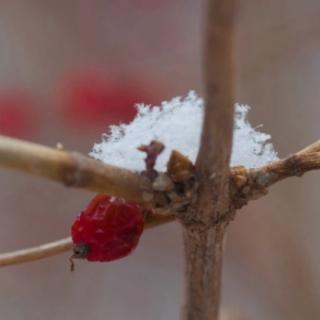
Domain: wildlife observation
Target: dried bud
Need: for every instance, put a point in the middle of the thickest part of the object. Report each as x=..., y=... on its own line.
x=179, y=167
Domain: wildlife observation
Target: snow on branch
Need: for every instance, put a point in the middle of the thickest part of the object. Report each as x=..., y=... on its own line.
x=177, y=124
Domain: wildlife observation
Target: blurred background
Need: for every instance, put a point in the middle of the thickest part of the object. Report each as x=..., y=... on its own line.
x=68, y=69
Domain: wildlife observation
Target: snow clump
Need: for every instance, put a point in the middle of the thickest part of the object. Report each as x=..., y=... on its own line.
x=177, y=123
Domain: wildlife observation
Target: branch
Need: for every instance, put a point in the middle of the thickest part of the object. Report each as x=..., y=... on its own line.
x=292, y=166
x=216, y=140
x=245, y=179
x=61, y=166
x=35, y=253
x=314, y=147
x=64, y=245
x=70, y=168
x=251, y=184
x=203, y=239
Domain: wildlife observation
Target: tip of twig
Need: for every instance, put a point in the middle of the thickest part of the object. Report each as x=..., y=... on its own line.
x=152, y=150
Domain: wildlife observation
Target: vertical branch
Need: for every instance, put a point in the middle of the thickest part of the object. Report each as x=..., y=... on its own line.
x=217, y=130
x=204, y=253
x=203, y=233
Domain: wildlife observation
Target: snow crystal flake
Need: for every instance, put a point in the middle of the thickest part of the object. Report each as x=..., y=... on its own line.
x=177, y=124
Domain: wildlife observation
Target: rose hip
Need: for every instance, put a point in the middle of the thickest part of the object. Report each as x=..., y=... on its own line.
x=108, y=229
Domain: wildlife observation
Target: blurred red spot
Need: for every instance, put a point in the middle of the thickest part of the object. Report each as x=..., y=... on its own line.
x=16, y=115
x=91, y=100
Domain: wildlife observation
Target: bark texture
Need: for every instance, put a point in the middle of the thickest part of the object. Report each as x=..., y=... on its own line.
x=204, y=232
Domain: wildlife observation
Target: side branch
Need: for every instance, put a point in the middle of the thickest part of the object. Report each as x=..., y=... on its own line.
x=36, y=253
x=251, y=184
x=292, y=166
x=64, y=245
x=70, y=168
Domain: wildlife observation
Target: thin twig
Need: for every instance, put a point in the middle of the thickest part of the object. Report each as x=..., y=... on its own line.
x=70, y=168
x=204, y=240
x=314, y=147
x=64, y=245
x=216, y=140
x=292, y=166
x=35, y=253
x=252, y=184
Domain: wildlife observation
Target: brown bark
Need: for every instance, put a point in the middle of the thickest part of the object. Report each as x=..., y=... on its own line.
x=70, y=168
x=204, y=252
x=203, y=237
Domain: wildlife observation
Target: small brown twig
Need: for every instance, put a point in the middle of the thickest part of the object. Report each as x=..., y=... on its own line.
x=314, y=147
x=219, y=95
x=152, y=151
x=70, y=168
x=293, y=166
x=64, y=245
x=35, y=253
x=251, y=184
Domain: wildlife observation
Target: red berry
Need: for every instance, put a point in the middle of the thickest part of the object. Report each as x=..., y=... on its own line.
x=108, y=229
